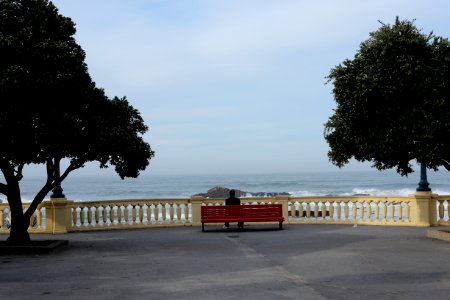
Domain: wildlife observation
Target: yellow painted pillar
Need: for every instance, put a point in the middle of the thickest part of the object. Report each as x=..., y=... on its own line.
x=283, y=200
x=421, y=205
x=196, y=204
x=58, y=215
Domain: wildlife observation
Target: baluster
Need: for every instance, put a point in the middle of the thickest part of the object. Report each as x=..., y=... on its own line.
x=119, y=214
x=346, y=210
x=126, y=213
x=446, y=210
x=138, y=209
x=441, y=209
x=296, y=212
x=44, y=218
x=391, y=211
x=317, y=209
x=408, y=211
x=134, y=214
x=400, y=211
x=73, y=211
x=168, y=218
x=396, y=211
x=338, y=210
x=377, y=210
x=39, y=218
x=189, y=209
x=145, y=210
x=152, y=214
x=324, y=210
x=331, y=210
x=312, y=206
x=176, y=212
x=101, y=215
x=160, y=213
x=357, y=206
x=96, y=212
x=89, y=215
x=2, y=219
x=84, y=216
x=308, y=210
x=384, y=210
x=141, y=213
x=107, y=215
x=353, y=214
x=104, y=214
x=94, y=215
x=363, y=210
x=77, y=217
x=182, y=213
x=327, y=205
x=113, y=215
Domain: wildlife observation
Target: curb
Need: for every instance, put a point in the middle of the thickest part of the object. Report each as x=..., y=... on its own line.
x=443, y=235
x=37, y=247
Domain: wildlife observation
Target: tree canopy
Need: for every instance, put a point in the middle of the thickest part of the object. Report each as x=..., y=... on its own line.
x=52, y=110
x=392, y=101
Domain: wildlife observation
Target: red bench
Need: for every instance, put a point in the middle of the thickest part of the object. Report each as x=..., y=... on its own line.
x=242, y=213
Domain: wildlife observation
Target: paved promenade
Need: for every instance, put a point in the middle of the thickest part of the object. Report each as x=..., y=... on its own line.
x=299, y=262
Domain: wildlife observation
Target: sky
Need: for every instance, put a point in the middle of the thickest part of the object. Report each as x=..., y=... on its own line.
x=233, y=86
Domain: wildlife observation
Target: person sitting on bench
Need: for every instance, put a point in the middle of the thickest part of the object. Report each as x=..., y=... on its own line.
x=232, y=200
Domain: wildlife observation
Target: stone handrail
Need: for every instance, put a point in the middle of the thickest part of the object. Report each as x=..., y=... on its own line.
x=59, y=215
x=368, y=210
x=121, y=214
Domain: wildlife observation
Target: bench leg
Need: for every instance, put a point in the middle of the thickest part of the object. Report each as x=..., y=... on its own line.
x=281, y=225
x=203, y=227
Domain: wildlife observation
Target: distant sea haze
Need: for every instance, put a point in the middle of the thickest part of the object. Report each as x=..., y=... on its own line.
x=150, y=186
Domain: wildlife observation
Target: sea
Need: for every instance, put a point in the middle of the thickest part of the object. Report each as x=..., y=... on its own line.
x=152, y=186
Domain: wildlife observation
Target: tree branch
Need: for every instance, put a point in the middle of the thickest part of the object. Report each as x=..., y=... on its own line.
x=446, y=164
x=4, y=189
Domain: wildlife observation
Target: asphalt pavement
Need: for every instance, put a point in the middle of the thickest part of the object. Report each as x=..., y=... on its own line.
x=260, y=262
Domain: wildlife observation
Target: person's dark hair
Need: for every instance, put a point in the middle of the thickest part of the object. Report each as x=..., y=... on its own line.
x=232, y=193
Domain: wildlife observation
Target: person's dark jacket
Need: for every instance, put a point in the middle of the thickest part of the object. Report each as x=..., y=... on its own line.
x=232, y=201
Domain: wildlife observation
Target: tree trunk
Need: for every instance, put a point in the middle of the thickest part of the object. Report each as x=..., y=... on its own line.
x=19, y=228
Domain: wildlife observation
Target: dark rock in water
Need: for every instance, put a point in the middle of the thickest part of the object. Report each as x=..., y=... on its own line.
x=222, y=192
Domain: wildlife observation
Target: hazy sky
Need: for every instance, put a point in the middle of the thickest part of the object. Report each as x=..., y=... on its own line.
x=231, y=86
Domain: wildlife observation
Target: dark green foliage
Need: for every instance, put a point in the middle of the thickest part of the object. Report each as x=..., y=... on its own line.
x=392, y=101
x=51, y=109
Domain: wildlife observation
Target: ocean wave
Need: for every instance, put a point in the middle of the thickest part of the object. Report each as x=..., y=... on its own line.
x=364, y=191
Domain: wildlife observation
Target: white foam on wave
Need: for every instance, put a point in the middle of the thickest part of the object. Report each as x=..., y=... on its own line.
x=379, y=192
x=366, y=191
x=306, y=194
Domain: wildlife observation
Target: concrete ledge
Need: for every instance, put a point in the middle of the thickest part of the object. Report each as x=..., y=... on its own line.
x=36, y=247
x=443, y=235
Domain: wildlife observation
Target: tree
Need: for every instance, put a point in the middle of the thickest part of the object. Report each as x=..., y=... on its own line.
x=51, y=110
x=393, y=101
